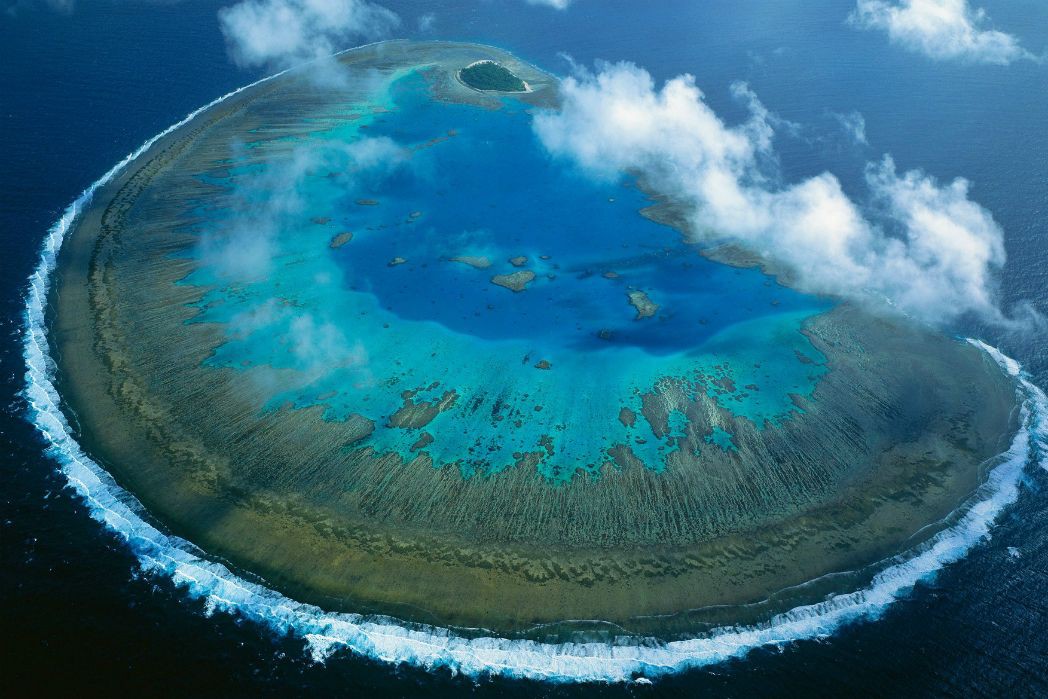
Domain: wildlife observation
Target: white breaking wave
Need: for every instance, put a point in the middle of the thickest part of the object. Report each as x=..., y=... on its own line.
x=431, y=647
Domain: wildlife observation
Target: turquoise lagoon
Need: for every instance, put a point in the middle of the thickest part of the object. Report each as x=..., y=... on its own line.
x=361, y=324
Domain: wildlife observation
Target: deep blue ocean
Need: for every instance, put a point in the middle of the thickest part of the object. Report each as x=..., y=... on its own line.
x=80, y=90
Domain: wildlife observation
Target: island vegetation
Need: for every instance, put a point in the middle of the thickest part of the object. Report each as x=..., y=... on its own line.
x=490, y=76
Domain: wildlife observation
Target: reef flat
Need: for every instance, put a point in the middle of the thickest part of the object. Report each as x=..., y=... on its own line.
x=646, y=308
x=375, y=437
x=514, y=281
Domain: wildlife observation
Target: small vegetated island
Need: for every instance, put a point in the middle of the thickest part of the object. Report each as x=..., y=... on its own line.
x=491, y=76
x=357, y=412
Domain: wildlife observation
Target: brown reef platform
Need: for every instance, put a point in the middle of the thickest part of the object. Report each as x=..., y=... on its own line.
x=645, y=307
x=476, y=262
x=515, y=281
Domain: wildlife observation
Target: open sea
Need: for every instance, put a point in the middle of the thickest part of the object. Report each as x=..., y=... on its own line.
x=80, y=90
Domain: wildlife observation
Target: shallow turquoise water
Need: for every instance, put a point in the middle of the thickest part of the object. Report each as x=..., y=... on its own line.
x=547, y=369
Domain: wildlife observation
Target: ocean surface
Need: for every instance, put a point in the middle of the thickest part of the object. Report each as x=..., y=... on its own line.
x=80, y=91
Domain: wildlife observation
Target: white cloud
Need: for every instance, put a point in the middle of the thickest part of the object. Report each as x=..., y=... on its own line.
x=243, y=252
x=311, y=344
x=923, y=246
x=276, y=199
x=65, y=7
x=556, y=4
x=426, y=22
x=283, y=33
x=854, y=124
x=319, y=346
x=941, y=29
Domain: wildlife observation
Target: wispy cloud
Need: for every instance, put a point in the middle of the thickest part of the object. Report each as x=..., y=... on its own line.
x=556, y=4
x=426, y=22
x=65, y=7
x=284, y=33
x=276, y=199
x=922, y=245
x=245, y=252
x=941, y=29
x=854, y=125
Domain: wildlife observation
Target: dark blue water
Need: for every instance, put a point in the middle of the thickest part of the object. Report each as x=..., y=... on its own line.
x=78, y=92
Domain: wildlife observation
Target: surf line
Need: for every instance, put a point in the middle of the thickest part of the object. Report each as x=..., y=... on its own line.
x=393, y=641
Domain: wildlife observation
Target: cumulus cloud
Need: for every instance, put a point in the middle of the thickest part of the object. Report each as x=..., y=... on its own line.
x=283, y=33
x=921, y=245
x=941, y=29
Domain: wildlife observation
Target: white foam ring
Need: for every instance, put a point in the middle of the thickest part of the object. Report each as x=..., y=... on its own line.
x=431, y=647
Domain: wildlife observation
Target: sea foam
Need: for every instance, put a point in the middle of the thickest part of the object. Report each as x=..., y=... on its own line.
x=391, y=641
